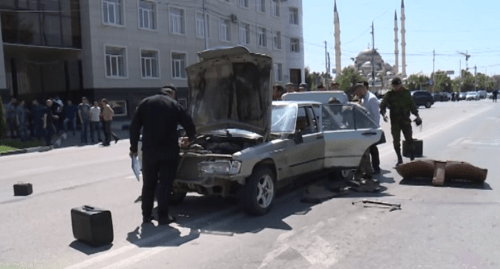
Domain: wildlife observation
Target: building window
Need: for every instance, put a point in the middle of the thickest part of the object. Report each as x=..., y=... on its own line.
x=225, y=30
x=278, y=72
x=244, y=34
x=243, y=3
x=294, y=45
x=115, y=62
x=177, y=21
x=294, y=16
x=112, y=12
x=262, y=36
x=147, y=18
x=277, y=40
x=200, y=25
x=261, y=5
x=149, y=64
x=276, y=7
x=179, y=65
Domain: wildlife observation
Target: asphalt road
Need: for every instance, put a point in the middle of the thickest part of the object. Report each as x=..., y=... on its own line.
x=456, y=226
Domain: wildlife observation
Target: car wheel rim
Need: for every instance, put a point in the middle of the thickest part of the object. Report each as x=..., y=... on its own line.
x=345, y=173
x=265, y=187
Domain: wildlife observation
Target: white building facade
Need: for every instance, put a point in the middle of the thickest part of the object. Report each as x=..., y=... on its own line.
x=131, y=48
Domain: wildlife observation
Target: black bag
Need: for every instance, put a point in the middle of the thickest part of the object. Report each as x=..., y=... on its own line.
x=417, y=144
x=92, y=225
x=23, y=189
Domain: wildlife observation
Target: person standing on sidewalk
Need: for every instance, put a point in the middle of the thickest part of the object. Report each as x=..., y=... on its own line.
x=21, y=119
x=70, y=112
x=11, y=115
x=84, y=115
x=95, y=114
x=401, y=104
x=107, y=118
x=158, y=116
x=48, y=122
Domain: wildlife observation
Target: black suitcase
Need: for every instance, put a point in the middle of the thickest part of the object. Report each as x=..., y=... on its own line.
x=23, y=189
x=92, y=225
x=418, y=145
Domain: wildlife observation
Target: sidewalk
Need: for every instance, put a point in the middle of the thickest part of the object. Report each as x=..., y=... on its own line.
x=74, y=140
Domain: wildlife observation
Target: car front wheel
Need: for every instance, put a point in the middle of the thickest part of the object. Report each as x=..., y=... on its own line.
x=259, y=191
x=428, y=104
x=342, y=174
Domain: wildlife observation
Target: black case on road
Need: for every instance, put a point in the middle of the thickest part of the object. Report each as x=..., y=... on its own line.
x=418, y=144
x=92, y=225
x=23, y=189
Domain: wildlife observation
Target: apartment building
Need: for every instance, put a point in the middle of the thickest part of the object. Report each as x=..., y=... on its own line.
x=128, y=49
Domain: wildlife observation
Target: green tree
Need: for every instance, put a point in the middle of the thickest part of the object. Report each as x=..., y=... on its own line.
x=442, y=83
x=417, y=82
x=347, y=79
x=496, y=81
x=467, y=81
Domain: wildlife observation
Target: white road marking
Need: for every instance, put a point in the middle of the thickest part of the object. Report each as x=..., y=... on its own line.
x=456, y=142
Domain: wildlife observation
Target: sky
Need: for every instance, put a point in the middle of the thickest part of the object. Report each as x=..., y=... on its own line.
x=448, y=27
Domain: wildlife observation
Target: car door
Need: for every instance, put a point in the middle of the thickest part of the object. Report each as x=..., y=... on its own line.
x=348, y=133
x=307, y=156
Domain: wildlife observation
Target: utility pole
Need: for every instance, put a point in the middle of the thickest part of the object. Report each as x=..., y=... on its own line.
x=461, y=78
x=433, y=64
x=373, y=58
x=475, y=78
x=326, y=66
x=205, y=30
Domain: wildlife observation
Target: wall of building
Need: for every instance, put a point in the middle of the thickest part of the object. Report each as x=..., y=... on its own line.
x=3, y=78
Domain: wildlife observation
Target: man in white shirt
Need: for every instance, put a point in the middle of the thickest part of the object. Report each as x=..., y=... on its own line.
x=371, y=103
x=95, y=111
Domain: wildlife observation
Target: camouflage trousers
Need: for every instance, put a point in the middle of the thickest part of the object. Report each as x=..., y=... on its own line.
x=405, y=127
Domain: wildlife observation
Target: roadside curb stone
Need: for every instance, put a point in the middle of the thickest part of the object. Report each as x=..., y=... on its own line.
x=27, y=150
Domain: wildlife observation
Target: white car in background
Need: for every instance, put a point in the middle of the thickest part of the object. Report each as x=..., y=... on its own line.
x=317, y=96
x=472, y=96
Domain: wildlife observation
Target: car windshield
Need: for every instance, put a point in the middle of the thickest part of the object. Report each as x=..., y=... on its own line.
x=283, y=118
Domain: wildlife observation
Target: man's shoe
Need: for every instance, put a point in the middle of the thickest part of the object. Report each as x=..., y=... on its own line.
x=376, y=170
x=116, y=140
x=400, y=161
x=167, y=220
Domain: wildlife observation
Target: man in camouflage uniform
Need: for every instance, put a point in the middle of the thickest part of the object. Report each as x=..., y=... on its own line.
x=401, y=104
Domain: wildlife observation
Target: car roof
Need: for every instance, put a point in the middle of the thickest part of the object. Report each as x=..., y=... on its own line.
x=296, y=102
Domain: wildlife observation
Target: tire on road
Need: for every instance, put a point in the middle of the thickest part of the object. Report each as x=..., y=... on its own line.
x=342, y=174
x=259, y=191
x=177, y=198
x=428, y=104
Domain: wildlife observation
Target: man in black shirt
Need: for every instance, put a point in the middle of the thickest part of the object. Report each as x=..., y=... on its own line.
x=159, y=116
x=48, y=122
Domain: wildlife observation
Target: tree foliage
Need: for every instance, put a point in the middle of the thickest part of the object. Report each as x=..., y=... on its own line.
x=442, y=82
x=417, y=82
x=348, y=78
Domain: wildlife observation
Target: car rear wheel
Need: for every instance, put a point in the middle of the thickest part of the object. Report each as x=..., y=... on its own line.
x=259, y=191
x=428, y=104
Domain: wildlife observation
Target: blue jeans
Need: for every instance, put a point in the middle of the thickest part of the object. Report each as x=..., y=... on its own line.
x=67, y=122
x=85, y=127
x=95, y=126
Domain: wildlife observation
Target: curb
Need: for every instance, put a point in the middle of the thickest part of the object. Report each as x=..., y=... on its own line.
x=27, y=150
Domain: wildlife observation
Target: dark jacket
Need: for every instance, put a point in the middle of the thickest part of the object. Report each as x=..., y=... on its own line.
x=159, y=116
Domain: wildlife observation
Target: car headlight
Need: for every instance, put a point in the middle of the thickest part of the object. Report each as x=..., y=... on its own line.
x=220, y=167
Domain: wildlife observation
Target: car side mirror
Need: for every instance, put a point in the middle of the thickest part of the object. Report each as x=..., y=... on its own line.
x=298, y=137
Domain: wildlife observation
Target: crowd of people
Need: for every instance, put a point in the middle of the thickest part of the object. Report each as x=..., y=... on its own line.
x=56, y=118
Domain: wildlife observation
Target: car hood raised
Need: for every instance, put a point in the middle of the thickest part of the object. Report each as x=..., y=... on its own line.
x=230, y=88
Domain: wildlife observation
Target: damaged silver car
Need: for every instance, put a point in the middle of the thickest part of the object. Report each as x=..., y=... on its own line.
x=248, y=146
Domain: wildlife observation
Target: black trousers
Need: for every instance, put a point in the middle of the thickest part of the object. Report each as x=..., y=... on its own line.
x=375, y=156
x=107, y=132
x=158, y=172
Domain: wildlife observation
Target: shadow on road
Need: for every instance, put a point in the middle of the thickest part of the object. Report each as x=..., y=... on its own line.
x=463, y=184
x=87, y=249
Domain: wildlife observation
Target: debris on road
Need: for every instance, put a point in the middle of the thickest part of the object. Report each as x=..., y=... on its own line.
x=316, y=194
x=441, y=171
x=392, y=206
x=23, y=189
